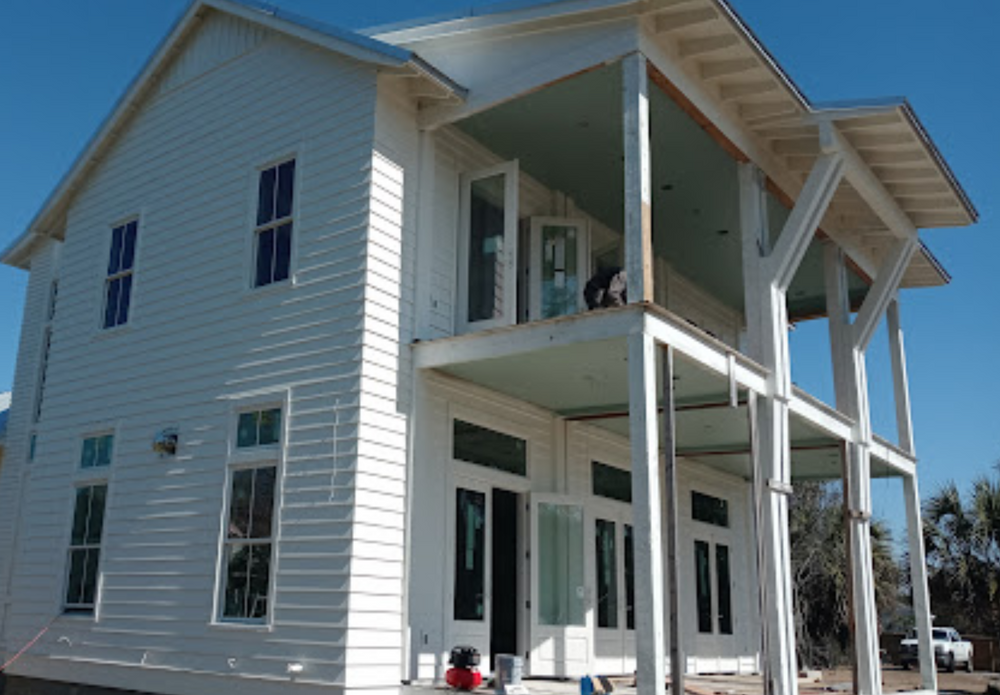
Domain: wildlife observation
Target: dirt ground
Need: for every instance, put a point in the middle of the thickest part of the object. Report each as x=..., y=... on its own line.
x=895, y=679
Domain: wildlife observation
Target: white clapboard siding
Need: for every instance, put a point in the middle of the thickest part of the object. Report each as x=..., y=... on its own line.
x=199, y=343
x=16, y=471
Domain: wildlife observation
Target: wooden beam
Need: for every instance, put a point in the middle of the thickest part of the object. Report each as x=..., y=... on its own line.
x=691, y=48
x=638, y=195
x=890, y=275
x=711, y=70
x=734, y=92
x=900, y=379
x=672, y=21
x=647, y=524
x=802, y=224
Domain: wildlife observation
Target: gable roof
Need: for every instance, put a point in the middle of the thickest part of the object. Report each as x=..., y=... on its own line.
x=386, y=57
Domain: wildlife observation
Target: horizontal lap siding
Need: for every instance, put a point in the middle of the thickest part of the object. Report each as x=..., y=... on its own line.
x=198, y=340
x=375, y=637
x=16, y=470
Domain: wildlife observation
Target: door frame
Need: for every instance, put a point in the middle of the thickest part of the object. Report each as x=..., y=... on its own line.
x=481, y=479
x=621, y=515
x=510, y=170
x=535, y=261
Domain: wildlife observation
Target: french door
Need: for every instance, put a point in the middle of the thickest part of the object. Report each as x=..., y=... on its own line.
x=487, y=268
x=559, y=260
x=561, y=602
x=713, y=589
x=614, y=586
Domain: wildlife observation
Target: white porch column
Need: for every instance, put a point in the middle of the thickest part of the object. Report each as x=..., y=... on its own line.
x=638, y=196
x=767, y=342
x=900, y=381
x=918, y=581
x=642, y=388
x=672, y=569
x=851, y=386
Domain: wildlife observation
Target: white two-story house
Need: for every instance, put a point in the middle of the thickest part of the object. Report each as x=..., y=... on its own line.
x=341, y=350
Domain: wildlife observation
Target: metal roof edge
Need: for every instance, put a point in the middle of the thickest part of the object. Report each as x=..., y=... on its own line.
x=17, y=251
x=918, y=126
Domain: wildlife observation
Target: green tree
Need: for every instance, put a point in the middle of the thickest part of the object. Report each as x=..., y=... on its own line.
x=820, y=574
x=962, y=541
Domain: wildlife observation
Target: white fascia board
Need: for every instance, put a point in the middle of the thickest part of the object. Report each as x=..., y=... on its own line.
x=821, y=415
x=17, y=254
x=714, y=355
x=516, y=340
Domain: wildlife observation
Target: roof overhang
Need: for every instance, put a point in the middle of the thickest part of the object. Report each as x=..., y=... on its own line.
x=752, y=103
x=48, y=222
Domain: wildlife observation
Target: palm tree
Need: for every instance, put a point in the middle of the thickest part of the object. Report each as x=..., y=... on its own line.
x=962, y=540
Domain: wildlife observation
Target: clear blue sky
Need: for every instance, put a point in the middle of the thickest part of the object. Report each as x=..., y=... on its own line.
x=66, y=62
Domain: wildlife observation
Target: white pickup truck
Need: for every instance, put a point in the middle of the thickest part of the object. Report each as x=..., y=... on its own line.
x=949, y=649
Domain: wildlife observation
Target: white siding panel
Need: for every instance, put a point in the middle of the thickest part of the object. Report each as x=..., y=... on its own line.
x=199, y=344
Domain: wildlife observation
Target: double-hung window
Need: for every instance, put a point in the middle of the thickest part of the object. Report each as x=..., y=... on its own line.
x=248, y=544
x=118, y=285
x=273, y=230
x=85, y=548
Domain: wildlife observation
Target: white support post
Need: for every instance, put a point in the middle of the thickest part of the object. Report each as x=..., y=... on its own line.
x=638, y=187
x=643, y=424
x=672, y=568
x=851, y=386
x=425, y=236
x=918, y=582
x=900, y=381
x=767, y=338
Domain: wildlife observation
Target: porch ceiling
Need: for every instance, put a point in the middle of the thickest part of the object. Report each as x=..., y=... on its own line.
x=589, y=382
x=569, y=138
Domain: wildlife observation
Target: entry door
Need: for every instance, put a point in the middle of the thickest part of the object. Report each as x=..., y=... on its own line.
x=714, y=618
x=560, y=266
x=487, y=270
x=614, y=586
x=561, y=604
x=485, y=571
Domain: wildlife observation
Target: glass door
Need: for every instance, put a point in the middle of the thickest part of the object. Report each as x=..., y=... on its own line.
x=561, y=604
x=560, y=266
x=614, y=586
x=470, y=566
x=487, y=269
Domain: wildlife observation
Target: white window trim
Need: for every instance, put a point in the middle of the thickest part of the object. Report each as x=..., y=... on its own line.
x=102, y=275
x=84, y=611
x=250, y=288
x=243, y=459
x=511, y=219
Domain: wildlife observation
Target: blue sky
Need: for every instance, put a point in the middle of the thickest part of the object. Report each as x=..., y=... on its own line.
x=66, y=62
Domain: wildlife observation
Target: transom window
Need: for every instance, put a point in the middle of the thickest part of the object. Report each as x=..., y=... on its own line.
x=85, y=548
x=710, y=510
x=486, y=447
x=118, y=286
x=258, y=428
x=248, y=544
x=97, y=451
x=273, y=230
x=610, y=482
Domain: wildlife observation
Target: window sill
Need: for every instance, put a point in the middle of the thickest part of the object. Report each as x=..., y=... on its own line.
x=109, y=333
x=244, y=626
x=271, y=288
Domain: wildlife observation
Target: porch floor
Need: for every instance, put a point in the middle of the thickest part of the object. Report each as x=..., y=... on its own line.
x=894, y=680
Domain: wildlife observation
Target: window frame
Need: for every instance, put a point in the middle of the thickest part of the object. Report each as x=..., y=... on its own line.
x=106, y=278
x=96, y=434
x=219, y=618
x=80, y=609
x=255, y=229
x=239, y=459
